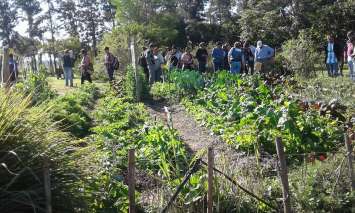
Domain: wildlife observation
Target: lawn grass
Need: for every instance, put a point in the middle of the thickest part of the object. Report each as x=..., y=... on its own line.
x=59, y=85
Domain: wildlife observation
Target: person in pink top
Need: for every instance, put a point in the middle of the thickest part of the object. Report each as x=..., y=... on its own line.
x=348, y=52
x=187, y=60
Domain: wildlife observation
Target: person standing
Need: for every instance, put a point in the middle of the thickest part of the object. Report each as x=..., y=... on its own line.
x=86, y=67
x=202, y=56
x=348, y=52
x=149, y=56
x=226, y=48
x=68, y=64
x=249, y=58
x=109, y=63
x=172, y=58
x=218, y=57
x=263, y=58
x=235, y=58
x=142, y=61
x=187, y=60
x=332, y=58
x=158, y=63
x=13, y=70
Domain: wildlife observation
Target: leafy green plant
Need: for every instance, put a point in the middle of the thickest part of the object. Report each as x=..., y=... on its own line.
x=130, y=84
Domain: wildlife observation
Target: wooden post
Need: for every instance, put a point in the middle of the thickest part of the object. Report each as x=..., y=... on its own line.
x=283, y=175
x=134, y=64
x=349, y=150
x=210, y=180
x=47, y=185
x=131, y=181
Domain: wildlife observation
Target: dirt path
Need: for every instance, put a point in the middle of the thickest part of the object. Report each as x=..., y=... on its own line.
x=195, y=136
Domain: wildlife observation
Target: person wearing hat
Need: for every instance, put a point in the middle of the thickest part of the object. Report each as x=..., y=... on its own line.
x=263, y=57
x=202, y=56
x=68, y=64
x=218, y=57
x=86, y=67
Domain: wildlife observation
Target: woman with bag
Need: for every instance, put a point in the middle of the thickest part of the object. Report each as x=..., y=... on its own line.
x=86, y=67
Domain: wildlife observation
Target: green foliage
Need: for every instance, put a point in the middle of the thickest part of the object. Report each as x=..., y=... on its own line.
x=188, y=82
x=71, y=110
x=37, y=86
x=249, y=115
x=164, y=90
x=130, y=84
x=301, y=55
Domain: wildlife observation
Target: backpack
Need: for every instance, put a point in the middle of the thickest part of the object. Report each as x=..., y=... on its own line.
x=115, y=63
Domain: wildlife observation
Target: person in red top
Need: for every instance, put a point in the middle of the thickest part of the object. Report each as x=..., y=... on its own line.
x=187, y=60
x=86, y=67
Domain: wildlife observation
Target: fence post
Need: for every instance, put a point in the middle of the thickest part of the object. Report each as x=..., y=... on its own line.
x=283, y=175
x=47, y=185
x=210, y=180
x=134, y=64
x=131, y=181
x=349, y=150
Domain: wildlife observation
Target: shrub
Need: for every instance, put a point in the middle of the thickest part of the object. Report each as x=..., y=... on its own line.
x=164, y=90
x=301, y=55
x=37, y=86
x=187, y=82
x=130, y=85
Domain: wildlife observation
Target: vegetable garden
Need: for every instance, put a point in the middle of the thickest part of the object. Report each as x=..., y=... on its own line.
x=85, y=136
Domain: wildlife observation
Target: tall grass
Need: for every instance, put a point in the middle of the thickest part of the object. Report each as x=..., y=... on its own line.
x=27, y=136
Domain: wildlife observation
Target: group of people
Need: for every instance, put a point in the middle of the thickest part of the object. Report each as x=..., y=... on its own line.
x=336, y=54
x=241, y=58
x=86, y=66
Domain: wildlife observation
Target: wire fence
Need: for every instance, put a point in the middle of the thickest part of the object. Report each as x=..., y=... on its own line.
x=246, y=177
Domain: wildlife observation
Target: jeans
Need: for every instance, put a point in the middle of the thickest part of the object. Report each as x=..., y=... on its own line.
x=332, y=69
x=110, y=72
x=152, y=74
x=235, y=67
x=351, y=69
x=68, y=75
x=217, y=65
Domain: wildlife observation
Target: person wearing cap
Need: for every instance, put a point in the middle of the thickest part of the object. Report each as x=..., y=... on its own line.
x=202, y=56
x=149, y=55
x=68, y=64
x=86, y=67
x=235, y=58
x=263, y=57
x=218, y=57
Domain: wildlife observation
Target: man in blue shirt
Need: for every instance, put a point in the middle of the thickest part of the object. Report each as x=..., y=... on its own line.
x=332, y=56
x=218, y=57
x=263, y=58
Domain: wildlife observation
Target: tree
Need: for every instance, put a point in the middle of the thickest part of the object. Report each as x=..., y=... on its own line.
x=8, y=20
x=32, y=8
x=91, y=22
x=219, y=11
x=68, y=14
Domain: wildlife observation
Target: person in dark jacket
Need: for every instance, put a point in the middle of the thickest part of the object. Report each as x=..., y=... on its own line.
x=68, y=64
x=149, y=56
x=142, y=61
x=249, y=58
x=226, y=47
x=202, y=56
x=332, y=56
x=218, y=57
x=12, y=69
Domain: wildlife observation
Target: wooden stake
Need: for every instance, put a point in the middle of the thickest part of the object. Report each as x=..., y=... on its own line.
x=47, y=185
x=131, y=181
x=283, y=175
x=349, y=149
x=210, y=180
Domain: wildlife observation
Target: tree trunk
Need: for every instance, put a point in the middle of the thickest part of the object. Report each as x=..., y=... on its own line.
x=5, y=72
